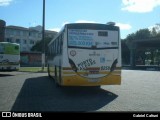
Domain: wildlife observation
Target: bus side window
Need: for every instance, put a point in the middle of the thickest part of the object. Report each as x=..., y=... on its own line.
x=54, y=47
x=58, y=45
x=58, y=51
x=16, y=47
x=49, y=51
x=1, y=49
x=61, y=43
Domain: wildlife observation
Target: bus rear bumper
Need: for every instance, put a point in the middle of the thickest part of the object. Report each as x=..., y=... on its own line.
x=77, y=80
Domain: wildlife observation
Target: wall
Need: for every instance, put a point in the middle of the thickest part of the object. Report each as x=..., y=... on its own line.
x=2, y=30
x=30, y=59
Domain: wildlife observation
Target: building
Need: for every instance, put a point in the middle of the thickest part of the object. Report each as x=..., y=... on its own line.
x=2, y=30
x=26, y=37
x=48, y=33
x=23, y=36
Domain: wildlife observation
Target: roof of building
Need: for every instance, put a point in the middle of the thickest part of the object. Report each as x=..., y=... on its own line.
x=16, y=27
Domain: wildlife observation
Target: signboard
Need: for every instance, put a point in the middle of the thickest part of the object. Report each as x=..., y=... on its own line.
x=92, y=38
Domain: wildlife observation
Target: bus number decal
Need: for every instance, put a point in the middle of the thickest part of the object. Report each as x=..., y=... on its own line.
x=105, y=67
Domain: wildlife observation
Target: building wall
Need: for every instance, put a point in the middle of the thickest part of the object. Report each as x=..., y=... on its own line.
x=27, y=38
x=24, y=36
x=2, y=30
x=31, y=59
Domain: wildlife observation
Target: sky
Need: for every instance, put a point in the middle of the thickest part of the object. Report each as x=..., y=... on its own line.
x=129, y=15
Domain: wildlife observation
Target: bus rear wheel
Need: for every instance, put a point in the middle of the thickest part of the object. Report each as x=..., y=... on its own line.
x=48, y=71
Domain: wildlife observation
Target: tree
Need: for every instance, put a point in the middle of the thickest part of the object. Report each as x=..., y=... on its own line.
x=140, y=34
x=143, y=33
x=155, y=31
x=125, y=53
x=38, y=47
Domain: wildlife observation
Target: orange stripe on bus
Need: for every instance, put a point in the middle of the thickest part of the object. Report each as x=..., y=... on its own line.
x=93, y=68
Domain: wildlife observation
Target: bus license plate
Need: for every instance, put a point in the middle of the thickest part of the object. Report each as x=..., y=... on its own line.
x=93, y=80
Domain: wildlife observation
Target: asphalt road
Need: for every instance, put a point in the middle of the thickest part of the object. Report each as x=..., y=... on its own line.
x=24, y=91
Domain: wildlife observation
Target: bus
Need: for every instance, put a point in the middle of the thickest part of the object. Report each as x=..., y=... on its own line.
x=85, y=54
x=9, y=56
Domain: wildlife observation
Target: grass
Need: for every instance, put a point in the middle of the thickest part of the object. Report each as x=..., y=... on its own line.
x=32, y=69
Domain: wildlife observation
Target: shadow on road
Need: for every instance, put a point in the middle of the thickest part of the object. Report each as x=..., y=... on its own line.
x=5, y=75
x=41, y=95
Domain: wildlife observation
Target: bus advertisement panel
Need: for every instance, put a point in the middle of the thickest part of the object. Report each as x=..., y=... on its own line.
x=92, y=51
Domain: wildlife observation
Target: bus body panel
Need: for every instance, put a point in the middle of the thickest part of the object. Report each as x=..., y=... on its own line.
x=72, y=79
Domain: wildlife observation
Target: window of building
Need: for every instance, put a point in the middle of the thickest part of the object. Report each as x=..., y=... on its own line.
x=17, y=32
x=24, y=49
x=31, y=42
x=25, y=33
x=24, y=41
x=10, y=32
x=9, y=39
x=17, y=40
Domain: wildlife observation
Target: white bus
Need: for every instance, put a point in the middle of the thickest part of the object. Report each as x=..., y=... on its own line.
x=85, y=54
x=9, y=56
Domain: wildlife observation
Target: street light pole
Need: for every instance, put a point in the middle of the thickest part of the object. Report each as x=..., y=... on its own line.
x=43, y=37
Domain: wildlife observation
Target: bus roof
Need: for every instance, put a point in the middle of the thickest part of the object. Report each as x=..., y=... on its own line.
x=9, y=43
x=94, y=26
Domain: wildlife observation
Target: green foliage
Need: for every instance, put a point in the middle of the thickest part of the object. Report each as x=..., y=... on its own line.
x=39, y=46
x=156, y=31
x=145, y=33
x=140, y=34
x=125, y=52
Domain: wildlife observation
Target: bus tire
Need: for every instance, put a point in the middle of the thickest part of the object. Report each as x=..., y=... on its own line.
x=48, y=71
x=60, y=76
x=55, y=77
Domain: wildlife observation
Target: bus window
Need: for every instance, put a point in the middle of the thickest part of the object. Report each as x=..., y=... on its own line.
x=1, y=48
x=16, y=47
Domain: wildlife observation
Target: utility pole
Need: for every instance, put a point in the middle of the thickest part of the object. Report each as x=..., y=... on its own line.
x=43, y=37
